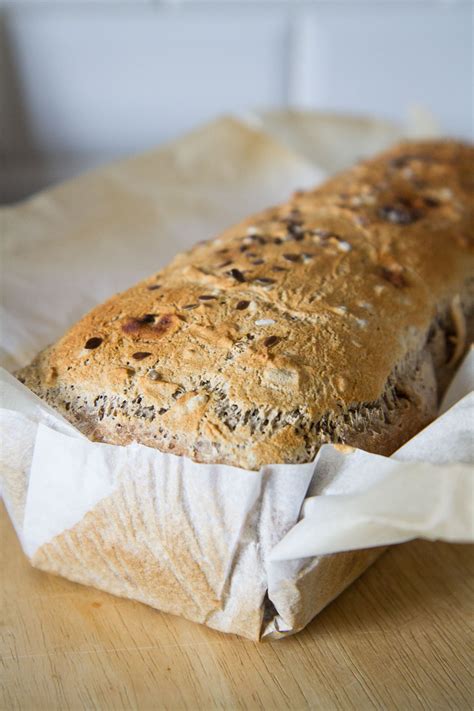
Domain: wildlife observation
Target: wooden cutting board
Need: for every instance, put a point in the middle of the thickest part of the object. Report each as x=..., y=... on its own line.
x=397, y=639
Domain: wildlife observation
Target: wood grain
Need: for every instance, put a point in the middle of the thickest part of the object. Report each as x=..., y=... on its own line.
x=399, y=638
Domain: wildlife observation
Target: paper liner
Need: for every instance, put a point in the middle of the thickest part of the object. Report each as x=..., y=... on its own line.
x=208, y=542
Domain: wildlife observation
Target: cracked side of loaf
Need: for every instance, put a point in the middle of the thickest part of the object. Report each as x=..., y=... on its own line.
x=337, y=317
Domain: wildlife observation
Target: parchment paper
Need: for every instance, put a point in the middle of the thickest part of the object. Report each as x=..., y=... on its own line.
x=206, y=542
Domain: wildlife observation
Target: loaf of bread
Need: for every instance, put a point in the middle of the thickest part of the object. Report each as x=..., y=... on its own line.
x=337, y=317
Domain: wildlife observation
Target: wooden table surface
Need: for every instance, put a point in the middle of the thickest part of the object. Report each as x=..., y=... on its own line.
x=399, y=638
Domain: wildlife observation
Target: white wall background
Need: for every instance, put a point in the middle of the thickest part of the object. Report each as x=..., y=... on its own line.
x=82, y=82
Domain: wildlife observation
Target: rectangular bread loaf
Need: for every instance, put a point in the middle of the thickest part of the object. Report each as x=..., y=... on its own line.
x=336, y=317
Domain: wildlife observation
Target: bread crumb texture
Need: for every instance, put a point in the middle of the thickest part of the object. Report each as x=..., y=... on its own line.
x=336, y=317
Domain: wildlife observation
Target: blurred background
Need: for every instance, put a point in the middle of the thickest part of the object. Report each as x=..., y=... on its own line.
x=86, y=81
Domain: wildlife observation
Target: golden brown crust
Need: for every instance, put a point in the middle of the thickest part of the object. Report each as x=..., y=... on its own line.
x=309, y=322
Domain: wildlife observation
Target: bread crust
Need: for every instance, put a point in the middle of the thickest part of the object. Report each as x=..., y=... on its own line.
x=337, y=316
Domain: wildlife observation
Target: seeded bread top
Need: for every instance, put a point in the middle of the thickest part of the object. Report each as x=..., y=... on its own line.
x=302, y=310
